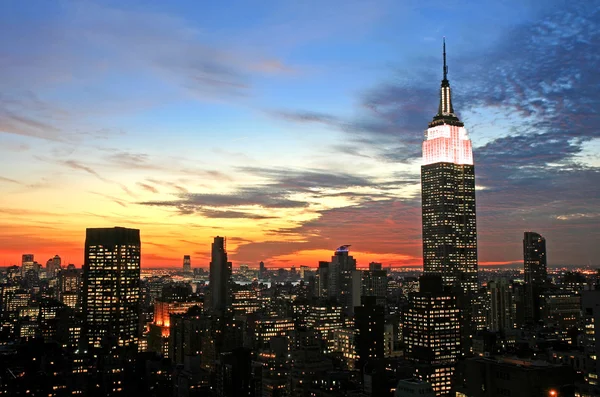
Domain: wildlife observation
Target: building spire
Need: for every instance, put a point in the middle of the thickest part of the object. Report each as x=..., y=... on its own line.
x=445, y=66
x=445, y=114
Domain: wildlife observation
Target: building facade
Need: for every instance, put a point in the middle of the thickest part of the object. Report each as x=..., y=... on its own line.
x=111, y=286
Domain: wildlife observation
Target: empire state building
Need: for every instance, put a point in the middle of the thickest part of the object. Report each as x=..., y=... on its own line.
x=448, y=197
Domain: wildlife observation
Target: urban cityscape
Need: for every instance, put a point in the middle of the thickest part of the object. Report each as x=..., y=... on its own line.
x=315, y=322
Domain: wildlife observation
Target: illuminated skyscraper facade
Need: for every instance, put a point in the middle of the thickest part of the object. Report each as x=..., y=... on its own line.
x=448, y=197
x=111, y=283
x=344, y=282
x=220, y=277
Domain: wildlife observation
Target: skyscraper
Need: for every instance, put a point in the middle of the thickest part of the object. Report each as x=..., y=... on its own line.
x=220, y=277
x=448, y=197
x=343, y=281
x=111, y=282
x=53, y=266
x=187, y=264
x=432, y=333
x=501, y=316
x=27, y=264
x=534, y=259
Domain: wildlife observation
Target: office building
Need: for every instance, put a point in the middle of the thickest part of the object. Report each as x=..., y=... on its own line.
x=370, y=329
x=375, y=283
x=111, y=286
x=431, y=333
x=187, y=264
x=220, y=277
x=69, y=287
x=501, y=314
x=53, y=266
x=322, y=280
x=343, y=280
x=27, y=264
x=536, y=274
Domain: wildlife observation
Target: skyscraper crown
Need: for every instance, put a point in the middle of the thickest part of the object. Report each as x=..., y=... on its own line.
x=445, y=114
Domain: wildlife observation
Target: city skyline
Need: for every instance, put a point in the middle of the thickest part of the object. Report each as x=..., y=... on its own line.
x=292, y=149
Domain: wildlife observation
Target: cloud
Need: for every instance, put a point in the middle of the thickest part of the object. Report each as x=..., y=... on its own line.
x=10, y=180
x=229, y=214
x=78, y=166
x=148, y=188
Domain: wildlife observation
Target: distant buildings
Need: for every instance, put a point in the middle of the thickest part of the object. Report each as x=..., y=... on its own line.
x=111, y=287
x=502, y=313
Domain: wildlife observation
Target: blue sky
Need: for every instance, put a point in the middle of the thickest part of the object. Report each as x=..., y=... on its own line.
x=293, y=113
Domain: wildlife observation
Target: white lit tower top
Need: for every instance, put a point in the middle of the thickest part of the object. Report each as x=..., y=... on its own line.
x=446, y=139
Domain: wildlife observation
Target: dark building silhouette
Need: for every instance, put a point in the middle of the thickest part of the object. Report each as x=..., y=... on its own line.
x=220, y=277
x=487, y=377
x=369, y=321
x=536, y=274
x=187, y=264
x=111, y=286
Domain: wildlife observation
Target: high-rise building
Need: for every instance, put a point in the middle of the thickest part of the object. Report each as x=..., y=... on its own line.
x=536, y=273
x=370, y=328
x=322, y=280
x=69, y=286
x=501, y=315
x=111, y=286
x=342, y=280
x=220, y=277
x=187, y=264
x=375, y=282
x=27, y=264
x=53, y=266
x=431, y=333
x=262, y=271
x=448, y=197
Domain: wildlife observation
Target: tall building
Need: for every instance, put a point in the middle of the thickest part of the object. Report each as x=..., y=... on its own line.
x=322, y=280
x=69, y=286
x=187, y=264
x=375, y=282
x=53, y=266
x=343, y=281
x=501, y=315
x=220, y=277
x=370, y=324
x=27, y=264
x=431, y=333
x=536, y=273
x=448, y=197
x=262, y=271
x=111, y=286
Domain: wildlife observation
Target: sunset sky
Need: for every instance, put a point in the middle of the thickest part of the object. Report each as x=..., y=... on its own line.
x=293, y=127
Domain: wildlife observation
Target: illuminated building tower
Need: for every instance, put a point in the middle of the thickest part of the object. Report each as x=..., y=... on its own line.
x=187, y=264
x=344, y=281
x=220, y=277
x=324, y=318
x=53, y=266
x=27, y=264
x=69, y=284
x=431, y=333
x=111, y=286
x=374, y=283
x=448, y=197
x=534, y=258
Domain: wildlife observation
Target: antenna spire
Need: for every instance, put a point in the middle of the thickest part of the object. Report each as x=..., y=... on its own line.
x=445, y=66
